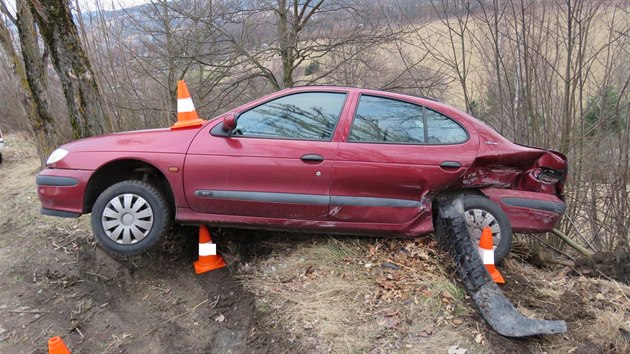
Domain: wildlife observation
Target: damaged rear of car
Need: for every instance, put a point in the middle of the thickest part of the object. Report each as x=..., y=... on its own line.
x=526, y=183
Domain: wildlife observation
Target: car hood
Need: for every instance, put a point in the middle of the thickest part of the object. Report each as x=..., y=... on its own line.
x=151, y=140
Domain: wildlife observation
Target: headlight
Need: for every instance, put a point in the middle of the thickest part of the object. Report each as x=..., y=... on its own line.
x=57, y=156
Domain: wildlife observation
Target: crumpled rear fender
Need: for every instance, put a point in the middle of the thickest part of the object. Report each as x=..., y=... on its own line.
x=517, y=167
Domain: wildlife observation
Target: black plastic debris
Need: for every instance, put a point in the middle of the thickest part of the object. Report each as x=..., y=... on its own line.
x=492, y=304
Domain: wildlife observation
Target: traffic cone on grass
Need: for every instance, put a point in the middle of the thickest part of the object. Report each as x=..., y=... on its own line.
x=186, y=114
x=486, y=251
x=208, y=258
x=57, y=346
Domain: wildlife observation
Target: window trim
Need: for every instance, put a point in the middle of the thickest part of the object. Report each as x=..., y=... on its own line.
x=334, y=129
x=424, y=119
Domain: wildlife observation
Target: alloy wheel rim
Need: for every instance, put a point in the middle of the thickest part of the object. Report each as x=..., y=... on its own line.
x=127, y=219
x=477, y=219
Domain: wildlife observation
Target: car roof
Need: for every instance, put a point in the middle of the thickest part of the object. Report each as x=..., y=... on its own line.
x=366, y=91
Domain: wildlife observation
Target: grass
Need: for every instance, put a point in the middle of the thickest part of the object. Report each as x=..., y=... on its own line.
x=335, y=294
x=355, y=295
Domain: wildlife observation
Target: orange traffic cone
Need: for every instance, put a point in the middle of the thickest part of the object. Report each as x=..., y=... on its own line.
x=208, y=258
x=186, y=114
x=486, y=251
x=57, y=346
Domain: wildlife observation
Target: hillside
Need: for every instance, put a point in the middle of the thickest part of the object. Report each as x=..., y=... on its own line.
x=280, y=293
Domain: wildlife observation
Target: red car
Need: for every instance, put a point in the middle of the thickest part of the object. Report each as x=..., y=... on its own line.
x=326, y=159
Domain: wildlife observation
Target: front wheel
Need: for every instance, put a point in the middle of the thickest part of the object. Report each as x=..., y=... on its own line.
x=130, y=217
x=481, y=212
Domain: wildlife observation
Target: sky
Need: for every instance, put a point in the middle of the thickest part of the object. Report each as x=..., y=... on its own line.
x=89, y=5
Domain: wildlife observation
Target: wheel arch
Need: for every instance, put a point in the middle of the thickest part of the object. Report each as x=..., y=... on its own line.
x=121, y=170
x=467, y=191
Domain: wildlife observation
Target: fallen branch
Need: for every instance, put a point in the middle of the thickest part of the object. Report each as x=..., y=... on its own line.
x=27, y=311
x=216, y=302
x=552, y=248
x=572, y=243
x=97, y=275
x=554, y=260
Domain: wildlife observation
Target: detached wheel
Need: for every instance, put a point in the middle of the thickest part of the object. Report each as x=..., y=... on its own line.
x=481, y=212
x=130, y=217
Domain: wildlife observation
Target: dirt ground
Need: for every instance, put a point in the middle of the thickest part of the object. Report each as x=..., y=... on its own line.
x=281, y=293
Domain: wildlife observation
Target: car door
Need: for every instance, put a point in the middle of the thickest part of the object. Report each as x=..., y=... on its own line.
x=276, y=163
x=396, y=156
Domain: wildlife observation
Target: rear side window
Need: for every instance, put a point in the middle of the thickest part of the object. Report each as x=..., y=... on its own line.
x=386, y=120
x=379, y=119
x=307, y=115
x=443, y=130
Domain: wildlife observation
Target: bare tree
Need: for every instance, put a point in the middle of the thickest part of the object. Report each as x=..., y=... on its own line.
x=562, y=73
x=449, y=43
x=31, y=76
x=295, y=33
x=87, y=110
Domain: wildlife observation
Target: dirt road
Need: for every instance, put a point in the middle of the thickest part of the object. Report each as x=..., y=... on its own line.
x=55, y=281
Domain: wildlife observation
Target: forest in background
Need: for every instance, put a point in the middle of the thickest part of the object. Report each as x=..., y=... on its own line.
x=547, y=73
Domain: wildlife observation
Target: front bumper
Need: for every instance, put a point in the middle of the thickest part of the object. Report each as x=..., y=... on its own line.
x=528, y=211
x=61, y=192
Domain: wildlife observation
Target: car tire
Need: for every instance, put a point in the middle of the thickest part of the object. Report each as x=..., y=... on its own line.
x=481, y=211
x=130, y=217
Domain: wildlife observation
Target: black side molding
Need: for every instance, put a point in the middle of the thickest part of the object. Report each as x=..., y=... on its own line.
x=535, y=204
x=57, y=213
x=56, y=181
x=373, y=202
x=290, y=198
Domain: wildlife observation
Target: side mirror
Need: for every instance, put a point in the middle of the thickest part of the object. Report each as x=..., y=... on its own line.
x=229, y=121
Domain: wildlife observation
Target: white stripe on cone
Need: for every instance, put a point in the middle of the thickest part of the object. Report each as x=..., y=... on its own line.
x=487, y=256
x=207, y=249
x=185, y=105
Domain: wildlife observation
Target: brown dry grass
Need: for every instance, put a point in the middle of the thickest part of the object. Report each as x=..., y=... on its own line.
x=346, y=296
x=341, y=295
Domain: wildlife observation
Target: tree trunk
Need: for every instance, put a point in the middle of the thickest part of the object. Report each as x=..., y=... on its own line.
x=87, y=109
x=286, y=37
x=31, y=80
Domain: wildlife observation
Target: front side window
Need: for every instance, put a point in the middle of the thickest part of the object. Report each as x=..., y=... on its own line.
x=307, y=115
x=386, y=120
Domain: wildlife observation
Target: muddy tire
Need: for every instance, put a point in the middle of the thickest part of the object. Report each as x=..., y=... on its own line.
x=130, y=217
x=471, y=270
x=479, y=212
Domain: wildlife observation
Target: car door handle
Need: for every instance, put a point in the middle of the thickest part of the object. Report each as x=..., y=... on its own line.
x=450, y=164
x=312, y=158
